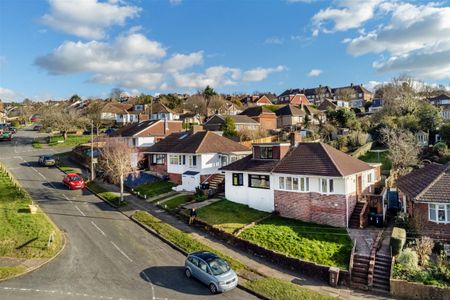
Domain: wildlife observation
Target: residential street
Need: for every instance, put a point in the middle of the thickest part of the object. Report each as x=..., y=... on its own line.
x=106, y=256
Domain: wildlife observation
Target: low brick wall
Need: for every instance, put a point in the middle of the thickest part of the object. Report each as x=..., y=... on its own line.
x=310, y=269
x=417, y=291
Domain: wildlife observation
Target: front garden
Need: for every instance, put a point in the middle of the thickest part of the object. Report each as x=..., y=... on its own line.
x=155, y=188
x=58, y=141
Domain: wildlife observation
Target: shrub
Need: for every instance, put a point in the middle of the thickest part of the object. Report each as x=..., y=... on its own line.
x=199, y=195
x=408, y=260
x=398, y=239
x=15, y=123
x=440, y=149
x=357, y=139
x=424, y=247
x=341, y=142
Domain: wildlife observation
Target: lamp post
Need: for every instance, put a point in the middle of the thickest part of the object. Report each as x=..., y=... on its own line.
x=92, y=150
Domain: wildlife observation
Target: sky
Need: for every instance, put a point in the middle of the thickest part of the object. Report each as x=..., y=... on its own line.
x=56, y=48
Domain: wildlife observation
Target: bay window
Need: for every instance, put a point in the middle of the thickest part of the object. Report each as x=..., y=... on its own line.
x=158, y=159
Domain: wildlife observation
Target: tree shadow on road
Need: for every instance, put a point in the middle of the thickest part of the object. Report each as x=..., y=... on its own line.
x=172, y=277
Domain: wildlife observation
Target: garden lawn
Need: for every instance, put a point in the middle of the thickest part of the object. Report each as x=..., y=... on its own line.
x=112, y=197
x=176, y=201
x=372, y=157
x=36, y=144
x=22, y=234
x=155, y=188
x=229, y=216
x=320, y=244
x=72, y=140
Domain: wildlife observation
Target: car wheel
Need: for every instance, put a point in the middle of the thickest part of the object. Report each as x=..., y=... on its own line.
x=188, y=273
x=212, y=288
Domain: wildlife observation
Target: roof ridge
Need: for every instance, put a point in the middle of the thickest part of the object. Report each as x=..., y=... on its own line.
x=434, y=181
x=331, y=158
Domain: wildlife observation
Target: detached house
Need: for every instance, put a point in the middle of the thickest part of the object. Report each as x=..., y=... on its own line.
x=189, y=159
x=443, y=102
x=146, y=133
x=240, y=121
x=159, y=111
x=262, y=115
x=110, y=111
x=425, y=194
x=358, y=97
x=258, y=100
x=289, y=116
x=312, y=182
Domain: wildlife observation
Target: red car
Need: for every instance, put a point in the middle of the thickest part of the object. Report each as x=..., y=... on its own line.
x=74, y=181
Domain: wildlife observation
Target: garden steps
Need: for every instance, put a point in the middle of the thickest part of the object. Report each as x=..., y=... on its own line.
x=354, y=218
x=360, y=270
x=382, y=273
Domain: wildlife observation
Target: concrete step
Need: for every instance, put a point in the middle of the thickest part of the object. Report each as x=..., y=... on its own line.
x=381, y=287
x=359, y=280
x=359, y=269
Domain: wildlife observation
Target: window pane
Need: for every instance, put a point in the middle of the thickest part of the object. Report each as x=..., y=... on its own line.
x=302, y=184
x=281, y=183
x=324, y=186
x=331, y=185
x=432, y=210
x=295, y=183
x=289, y=183
x=259, y=181
x=441, y=214
x=307, y=183
x=448, y=212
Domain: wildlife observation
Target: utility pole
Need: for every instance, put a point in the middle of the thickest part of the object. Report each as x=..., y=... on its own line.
x=92, y=150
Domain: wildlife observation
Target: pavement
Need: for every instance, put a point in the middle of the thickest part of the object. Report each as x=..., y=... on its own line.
x=107, y=256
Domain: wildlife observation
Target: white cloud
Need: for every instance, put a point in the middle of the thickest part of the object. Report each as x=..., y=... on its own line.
x=314, y=73
x=274, y=40
x=259, y=74
x=87, y=18
x=7, y=95
x=134, y=61
x=349, y=14
x=416, y=39
x=175, y=2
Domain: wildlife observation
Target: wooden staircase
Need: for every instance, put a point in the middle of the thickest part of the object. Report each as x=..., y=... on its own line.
x=382, y=273
x=360, y=271
x=216, y=180
x=355, y=219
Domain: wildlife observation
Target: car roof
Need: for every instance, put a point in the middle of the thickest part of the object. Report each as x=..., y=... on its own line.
x=73, y=174
x=205, y=255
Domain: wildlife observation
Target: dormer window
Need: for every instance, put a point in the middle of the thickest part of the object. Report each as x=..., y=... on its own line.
x=266, y=153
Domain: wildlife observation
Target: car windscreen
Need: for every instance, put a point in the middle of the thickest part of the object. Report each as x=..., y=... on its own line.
x=48, y=158
x=218, y=266
x=75, y=178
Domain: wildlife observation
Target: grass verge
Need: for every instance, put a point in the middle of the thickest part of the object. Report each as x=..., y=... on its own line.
x=320, y=244
x=112, y=197
x=278, y=289
x=36, y=144
x=271, y=288
x=175, y=202
x=72, y=140
x=22, y=234
x=155, y=188
x=372, y=157
x=7, y=272
x=229, y=216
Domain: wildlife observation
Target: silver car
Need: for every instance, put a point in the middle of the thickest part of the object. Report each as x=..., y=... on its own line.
x=211, y=270
x=47, y=160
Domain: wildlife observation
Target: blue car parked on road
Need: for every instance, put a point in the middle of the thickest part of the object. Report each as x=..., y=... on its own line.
x=211, y=270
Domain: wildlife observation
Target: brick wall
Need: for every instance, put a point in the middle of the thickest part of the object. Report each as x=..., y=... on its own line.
x=313, y=207
x=267, y=121
x=175, y=178
x=431, y=229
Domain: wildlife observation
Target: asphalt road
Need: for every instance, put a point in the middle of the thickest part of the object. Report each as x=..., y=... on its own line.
x=107, y=256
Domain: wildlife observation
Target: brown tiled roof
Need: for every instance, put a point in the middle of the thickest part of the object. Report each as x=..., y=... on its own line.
x=327, y=104
x=160, y=108
x=430, y=183
x=290, y=110
x=199, y=142
x=256, y=111
x=115, y=107
x=134, y=128
x=320, y=159
x=248, y=164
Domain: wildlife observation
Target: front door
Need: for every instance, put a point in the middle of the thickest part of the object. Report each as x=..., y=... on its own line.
x=358, y=185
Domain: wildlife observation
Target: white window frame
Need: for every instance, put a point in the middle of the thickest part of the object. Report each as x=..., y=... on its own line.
x=295, y=183
x=178, y=157
x=369, y=178
x=329, y=183
x=191, y=161
x=436, y=207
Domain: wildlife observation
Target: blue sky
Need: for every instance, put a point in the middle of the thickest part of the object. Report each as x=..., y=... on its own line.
x=53, y=49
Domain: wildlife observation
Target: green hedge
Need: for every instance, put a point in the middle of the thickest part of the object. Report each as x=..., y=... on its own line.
x=398, y=240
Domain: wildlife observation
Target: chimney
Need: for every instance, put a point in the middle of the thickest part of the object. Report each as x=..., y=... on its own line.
x=166, y=125
x=295, y=138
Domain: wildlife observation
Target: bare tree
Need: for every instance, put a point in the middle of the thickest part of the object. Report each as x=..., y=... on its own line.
x=116, y=161
x=345, y=94
x=94, y=114
x=403, y=150
x=216, y=104
x=320, y=94
x=116, y=93
x=196, y=104
x=63, y=120
x=400, y=96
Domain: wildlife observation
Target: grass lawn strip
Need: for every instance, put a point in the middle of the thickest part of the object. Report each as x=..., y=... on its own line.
x=155, y=188
x=229, y=216
x=372, y=157
x=22, y=234
x=7, y=272
x=320, y=244
x=173, y=203
x=112, y=197
x=36, y=144
x=72, y=140
x=265, y=286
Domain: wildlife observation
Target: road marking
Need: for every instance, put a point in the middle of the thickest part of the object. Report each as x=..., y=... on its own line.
x=120, y=250
x=72, y=294
x=98, y=228
x=80, y=211
x=67, y=198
